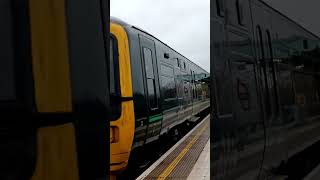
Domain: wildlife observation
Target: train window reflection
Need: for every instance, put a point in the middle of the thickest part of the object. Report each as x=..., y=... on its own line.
x=166, y=70
x=169, y=89
x=152, y=93
x=148, y=62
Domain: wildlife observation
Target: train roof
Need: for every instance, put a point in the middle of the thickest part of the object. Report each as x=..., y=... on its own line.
x=291, y=20
x=118, y=21
x=124, y=24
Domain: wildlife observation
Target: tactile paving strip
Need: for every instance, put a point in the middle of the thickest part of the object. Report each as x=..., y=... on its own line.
x=179, y=163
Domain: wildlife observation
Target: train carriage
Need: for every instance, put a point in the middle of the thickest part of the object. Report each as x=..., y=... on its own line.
x=167, y=90
x=54, y=101
x=265, y=89
x=65, y=79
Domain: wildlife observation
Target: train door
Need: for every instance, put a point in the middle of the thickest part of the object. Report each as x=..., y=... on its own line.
x=152, y=89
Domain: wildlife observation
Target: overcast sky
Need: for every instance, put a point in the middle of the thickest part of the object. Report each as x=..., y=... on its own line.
x=304, y=12
x=185, y=24
x=182, y=24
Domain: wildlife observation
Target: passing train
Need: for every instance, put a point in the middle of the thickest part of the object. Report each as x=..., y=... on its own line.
x=67, y=83
x=265, y=92
x=54, y=95
x=155, y=89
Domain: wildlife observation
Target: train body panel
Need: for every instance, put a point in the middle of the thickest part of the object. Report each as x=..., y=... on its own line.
x=261, y=116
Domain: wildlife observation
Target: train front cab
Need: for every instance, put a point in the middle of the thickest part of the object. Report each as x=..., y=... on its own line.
x=54, y=101
x=122, y=123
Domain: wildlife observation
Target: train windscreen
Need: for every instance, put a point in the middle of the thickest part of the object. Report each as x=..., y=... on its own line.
x=114, y=79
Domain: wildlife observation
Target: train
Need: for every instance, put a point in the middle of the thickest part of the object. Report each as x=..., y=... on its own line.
x=75, y=99
x=265, y=89
x=155, y=90
x=54, y=100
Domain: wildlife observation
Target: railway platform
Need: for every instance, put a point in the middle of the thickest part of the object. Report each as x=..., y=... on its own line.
x=187, y=159
x=314, y=174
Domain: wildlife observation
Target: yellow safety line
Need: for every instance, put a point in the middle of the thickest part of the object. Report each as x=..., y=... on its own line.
x=175, y=162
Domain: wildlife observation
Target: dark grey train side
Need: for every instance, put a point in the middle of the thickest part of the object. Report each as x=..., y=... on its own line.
x=168, y=88
x=265, y=89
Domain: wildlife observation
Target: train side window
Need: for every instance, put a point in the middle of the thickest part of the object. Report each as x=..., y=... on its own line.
x=147, y=54
x=167, y=71
x=240, y=15
x=178, y=62
x=114, y=79
x=168, y=87
x=220, y=7
x=148, y=62
x=182, y=64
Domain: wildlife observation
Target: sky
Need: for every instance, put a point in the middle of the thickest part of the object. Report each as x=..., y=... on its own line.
x=304, y=12
x=184, y=25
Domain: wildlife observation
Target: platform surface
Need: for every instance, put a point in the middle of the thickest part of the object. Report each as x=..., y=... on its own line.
x=201, y=169
x=314, y=174
x=187, y=159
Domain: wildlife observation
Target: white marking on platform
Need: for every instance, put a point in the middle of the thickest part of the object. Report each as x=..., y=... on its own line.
x=201, y=170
